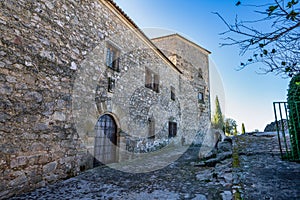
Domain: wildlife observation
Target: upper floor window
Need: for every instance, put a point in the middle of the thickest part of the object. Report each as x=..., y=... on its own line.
x=200, y=73
x=173, y=93
x=152, y=80
x=200, y=97
x=111, y=84
x=172, y=129
x=112, y=58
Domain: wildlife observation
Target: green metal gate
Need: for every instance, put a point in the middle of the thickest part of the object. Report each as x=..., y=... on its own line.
x=289, y=138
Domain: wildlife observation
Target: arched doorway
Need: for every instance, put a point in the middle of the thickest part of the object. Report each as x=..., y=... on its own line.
x=105, y=140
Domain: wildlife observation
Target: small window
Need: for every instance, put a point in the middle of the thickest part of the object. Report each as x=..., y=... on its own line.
x=200, y=97
x=111, y=84
x=151, y=80
x=112, y=58
x=172, y=129
x=173, y=93
x=151, y=128
x=200, y=73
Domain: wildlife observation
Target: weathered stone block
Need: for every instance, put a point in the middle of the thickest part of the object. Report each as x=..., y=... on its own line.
x=43, y=159
x=33, y=160
x=5, y=89
x=11, y=79
x=33, y=96
x=18, y=161
x=41, y=127
x=224, y=146
x=60, y=116
x=38, y=146
x=4, y=117
x=19, y=180
x=29, y=79
x=49, y=167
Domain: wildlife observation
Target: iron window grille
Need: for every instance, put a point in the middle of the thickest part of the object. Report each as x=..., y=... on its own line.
x=111, y=84
x=172, y=129
x=200, y=73
x=151, y=80
x=200, y=97
x=173, y=93
x=112, y=58
x=151, y=128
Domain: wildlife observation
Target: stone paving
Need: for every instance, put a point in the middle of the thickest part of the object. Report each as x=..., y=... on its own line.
x=179, y=180
x=259, y=173
x=255, y=171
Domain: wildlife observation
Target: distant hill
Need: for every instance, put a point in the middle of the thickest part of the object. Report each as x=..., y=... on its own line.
x=272, y=126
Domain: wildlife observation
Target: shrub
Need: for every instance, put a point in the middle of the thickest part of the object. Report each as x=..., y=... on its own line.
x=294, y=114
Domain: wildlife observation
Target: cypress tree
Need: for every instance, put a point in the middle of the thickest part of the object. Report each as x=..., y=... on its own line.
x=235, y=131
x=217, y=120
x=243, y=128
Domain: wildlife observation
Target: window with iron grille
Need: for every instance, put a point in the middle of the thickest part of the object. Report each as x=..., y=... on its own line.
x=111, y=84
x=112, y=58
x=173, y=93
x=151, y=128
x=172, y=129
x=151, y=80
x=200, y=97
x=200, y=73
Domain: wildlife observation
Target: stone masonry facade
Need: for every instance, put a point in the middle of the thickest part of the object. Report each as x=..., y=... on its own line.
x=79, y=78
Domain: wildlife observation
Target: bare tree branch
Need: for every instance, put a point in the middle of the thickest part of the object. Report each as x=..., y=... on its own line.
x=279, y=47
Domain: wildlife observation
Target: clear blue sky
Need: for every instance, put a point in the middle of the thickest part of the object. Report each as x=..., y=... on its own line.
x=248, y=96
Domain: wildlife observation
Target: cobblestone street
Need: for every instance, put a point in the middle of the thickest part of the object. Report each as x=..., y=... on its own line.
x=179, y=180
x=257, y=173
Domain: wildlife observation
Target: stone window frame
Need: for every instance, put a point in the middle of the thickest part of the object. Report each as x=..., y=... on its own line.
x=151, y=80
x=200, y=97
x=111, y=83
x=112, y=57
x=173, y=94
x=172, y=129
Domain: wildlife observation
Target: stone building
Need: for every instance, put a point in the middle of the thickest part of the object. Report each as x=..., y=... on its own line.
x=81, y=85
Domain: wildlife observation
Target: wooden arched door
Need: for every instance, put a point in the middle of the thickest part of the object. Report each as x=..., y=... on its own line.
x=105, y=140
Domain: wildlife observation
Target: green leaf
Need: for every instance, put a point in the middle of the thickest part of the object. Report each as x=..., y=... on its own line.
x=261, y=45
x=287, y=69
x=238, y=3
x=283, y=63
x=250, y=60
x=271, y=9
x=265, y=52
x=292, y=15
x=242, y=64
x=291, y=3
x=273, y=51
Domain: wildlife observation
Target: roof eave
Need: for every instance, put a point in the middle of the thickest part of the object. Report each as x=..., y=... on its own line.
x=131, y=22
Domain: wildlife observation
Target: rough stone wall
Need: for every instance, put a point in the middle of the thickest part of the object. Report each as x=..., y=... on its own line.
x=40, y=42
x=193, y=62
x=53, y=87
